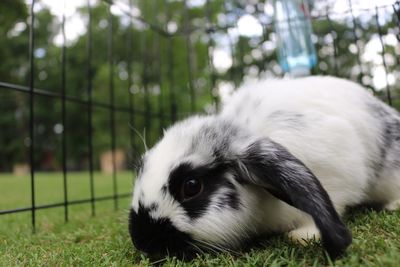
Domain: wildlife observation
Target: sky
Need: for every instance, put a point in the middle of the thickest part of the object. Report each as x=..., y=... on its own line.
x=247, y=25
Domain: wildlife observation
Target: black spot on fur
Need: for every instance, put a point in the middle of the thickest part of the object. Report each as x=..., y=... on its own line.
x=152, y=207
x=213, y=180
x=139, y=167
x=155, y=236
x=390, y=135
x=229, y=198
x=164, y=189
x=219, y=133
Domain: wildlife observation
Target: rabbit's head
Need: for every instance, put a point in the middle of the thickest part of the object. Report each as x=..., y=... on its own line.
x=199, y=189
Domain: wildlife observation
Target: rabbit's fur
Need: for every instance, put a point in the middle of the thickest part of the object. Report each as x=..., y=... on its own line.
x=282, y=155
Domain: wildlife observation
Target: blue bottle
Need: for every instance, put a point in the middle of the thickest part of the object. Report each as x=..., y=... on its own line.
x=296, y=52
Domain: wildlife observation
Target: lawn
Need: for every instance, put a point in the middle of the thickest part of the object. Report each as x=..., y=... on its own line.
x=103, y=240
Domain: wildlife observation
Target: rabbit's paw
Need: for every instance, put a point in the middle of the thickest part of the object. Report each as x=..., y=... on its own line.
x=304, y=234
x=393, y=205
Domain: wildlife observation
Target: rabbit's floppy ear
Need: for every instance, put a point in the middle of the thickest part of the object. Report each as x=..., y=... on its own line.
x=269, y=165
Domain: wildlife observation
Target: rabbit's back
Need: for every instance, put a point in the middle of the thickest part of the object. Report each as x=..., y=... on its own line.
x=296, y=102
x=328, y=123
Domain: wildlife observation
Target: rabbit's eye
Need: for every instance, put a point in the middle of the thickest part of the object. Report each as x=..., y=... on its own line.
x=191, y=188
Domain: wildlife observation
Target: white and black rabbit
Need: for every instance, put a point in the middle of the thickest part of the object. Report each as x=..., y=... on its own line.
x=282, y=155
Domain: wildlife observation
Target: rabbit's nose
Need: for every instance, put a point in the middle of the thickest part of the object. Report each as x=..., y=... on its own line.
x=155, y=236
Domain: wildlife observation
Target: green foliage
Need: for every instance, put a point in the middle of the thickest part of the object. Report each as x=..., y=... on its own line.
x=146, y=69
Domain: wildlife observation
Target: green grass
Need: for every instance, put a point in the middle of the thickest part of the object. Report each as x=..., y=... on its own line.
x=15, y=191
x=103, y=240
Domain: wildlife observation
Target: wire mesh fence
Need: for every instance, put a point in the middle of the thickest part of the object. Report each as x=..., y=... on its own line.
x=83, y=85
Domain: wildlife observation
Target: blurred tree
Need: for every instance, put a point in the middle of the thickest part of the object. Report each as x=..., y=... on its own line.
x=13, y=68
x=151, y=63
